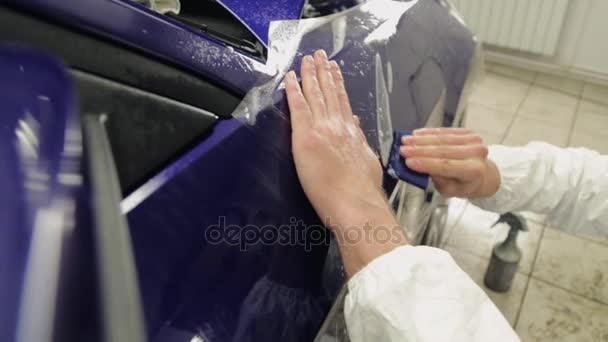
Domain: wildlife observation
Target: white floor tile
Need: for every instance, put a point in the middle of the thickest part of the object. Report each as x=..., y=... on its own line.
x=509, y=302
x=584, y=139
x=525, y=130
x=549, y=106
x=592, y=118
x=481, y=118
x=499, y=92
x=490, y=138
x=574, y=264
x=595, y=238
x=552, y=314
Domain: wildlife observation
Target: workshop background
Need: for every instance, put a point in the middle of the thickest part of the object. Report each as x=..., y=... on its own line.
x=546, y=79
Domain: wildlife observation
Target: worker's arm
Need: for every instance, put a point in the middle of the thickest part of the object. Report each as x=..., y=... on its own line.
x=396, y=292
x=569, y=185
x=339, y=172
x=420, y=294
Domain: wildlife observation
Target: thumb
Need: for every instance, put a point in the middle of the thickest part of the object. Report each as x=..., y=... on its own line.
x=447, y=187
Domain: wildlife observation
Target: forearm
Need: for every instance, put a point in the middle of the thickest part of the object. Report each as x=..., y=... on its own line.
x=420, y=294
x=366, y=231
x=568, y=185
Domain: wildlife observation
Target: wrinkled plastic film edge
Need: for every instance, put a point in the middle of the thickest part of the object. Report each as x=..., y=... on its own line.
x=286, y=36
x=284, y=40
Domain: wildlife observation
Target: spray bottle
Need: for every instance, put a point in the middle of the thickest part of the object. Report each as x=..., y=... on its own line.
x=506, y=255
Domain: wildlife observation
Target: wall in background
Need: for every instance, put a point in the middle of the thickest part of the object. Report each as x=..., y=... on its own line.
x=592, y=50
x=582, y=50
x=532, y=26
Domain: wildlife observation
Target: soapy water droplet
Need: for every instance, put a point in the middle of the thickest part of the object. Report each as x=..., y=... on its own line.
x=342, y=62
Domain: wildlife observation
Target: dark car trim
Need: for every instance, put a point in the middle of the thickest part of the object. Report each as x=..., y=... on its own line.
x=118, y=63
x=147, y=132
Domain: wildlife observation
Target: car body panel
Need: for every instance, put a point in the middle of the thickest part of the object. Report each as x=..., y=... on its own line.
x=258, y=14
x=398, y=59
x=131, y=24
x=243, y=177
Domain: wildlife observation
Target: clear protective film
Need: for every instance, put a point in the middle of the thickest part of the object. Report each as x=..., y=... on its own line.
x=396, y=65
x=405, y=64
x=402, y=71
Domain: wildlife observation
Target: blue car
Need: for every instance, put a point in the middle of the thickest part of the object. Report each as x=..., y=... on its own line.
x=148, y=187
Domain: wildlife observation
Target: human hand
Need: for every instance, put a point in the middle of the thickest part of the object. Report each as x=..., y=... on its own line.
x=456, y=159
x=338, y=171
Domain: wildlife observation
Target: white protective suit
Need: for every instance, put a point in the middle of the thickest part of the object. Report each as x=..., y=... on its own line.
x=420, y=294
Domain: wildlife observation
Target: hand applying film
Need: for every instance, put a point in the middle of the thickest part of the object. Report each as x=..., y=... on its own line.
x=455, y=158
x=339, y=172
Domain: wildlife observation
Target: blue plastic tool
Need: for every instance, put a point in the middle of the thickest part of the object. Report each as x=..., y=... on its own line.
x=398, y=169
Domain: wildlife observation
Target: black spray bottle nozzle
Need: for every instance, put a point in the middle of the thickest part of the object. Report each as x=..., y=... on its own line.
x=515, y=222
x=505, y=255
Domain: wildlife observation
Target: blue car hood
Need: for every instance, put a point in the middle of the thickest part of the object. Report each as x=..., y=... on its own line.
x=257, y=14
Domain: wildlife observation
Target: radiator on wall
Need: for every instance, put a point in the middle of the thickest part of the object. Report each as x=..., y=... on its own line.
x=526, y=25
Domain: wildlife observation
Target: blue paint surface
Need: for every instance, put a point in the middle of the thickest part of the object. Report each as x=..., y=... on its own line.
x=257, y=14
x=240, y=285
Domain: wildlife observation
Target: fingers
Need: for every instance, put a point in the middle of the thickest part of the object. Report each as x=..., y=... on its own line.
x=301, y=115
x=323, y=89
x=312, y=89
x=443, y=139
x=343, y=99
x=463, y=170
x=326, y=82
x=449, y=188
x=443, y=131
x=446, y=152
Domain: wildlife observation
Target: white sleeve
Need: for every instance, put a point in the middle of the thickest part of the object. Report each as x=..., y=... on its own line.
x=420, y=294
x=570, y=186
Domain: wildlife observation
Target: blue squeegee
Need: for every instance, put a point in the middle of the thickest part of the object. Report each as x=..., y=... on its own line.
x=399, y=170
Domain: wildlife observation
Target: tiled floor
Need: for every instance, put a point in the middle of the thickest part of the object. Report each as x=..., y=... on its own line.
x=561, y=290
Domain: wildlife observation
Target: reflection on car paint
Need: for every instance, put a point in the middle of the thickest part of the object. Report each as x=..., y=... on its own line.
x=40, y=178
